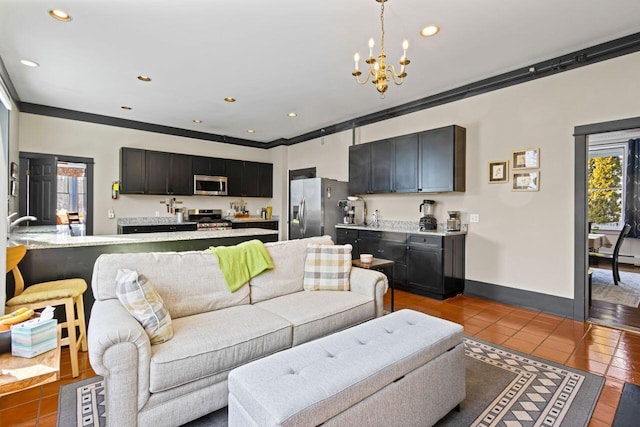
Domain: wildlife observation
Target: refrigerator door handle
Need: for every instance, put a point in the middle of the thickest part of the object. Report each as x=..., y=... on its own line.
x=303, y=227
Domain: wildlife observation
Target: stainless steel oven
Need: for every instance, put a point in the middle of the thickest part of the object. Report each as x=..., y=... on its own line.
x=208, y=219
x=206, y=185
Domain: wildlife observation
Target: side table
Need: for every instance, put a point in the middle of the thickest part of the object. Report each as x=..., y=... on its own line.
x=50, y=361
x=378, y=264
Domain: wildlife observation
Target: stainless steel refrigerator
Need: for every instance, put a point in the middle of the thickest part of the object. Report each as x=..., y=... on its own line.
x=313, y=209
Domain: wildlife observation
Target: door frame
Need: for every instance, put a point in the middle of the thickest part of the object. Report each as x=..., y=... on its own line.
x=22, y=190
x=580, y=228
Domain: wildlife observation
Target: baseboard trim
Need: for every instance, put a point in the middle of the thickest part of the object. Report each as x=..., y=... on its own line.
x=526, y=299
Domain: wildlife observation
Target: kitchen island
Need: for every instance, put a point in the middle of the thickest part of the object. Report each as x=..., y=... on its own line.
x=52, y=255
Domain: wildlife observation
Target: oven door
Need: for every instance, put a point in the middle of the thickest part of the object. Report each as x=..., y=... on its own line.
x=209, y=185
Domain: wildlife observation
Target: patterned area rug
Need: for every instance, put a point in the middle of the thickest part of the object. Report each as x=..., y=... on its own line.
x=626, y=293
x=504, y=388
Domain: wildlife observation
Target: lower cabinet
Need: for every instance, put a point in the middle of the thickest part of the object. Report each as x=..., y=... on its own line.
x=429, y=265
x=269, y=225
x=131, y=229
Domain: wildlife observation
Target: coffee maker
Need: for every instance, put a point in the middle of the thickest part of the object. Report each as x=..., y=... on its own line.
x=354, y=210
x=428, y=222
x=453, y=223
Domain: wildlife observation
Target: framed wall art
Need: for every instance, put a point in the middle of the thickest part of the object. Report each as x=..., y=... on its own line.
x=498, y=171
x=526, y=159
x=526, y=181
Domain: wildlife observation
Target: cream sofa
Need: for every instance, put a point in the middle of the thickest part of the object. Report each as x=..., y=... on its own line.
x=215, y=330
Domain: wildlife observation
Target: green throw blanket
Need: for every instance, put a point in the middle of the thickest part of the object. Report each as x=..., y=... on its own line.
x=242, y=262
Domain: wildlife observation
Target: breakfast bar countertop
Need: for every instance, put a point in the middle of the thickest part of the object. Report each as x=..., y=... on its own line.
x=42, y=238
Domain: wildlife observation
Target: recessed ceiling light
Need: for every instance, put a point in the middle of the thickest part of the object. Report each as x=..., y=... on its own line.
x=144, y=78
x=230, y=99
x=292, y=114
x=197, y=121
x=126, y=107
x=59, y=15
x=251, y=131
x=430, y=30
x=29, y=63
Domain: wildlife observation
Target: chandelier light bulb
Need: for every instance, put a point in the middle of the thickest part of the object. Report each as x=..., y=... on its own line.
x=371, y=43
x=405, y=45
x=356, y=58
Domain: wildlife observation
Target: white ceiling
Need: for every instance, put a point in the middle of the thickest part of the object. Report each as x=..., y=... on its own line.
x=278, y=56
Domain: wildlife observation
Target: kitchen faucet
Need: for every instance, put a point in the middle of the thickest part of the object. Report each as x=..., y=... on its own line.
x=11, y=224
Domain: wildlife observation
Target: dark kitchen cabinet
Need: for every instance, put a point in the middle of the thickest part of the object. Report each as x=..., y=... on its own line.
x=234, y=170
x=405, y=170
x=180, y=175
x=442, y=160
x=160, y=228
x=382, y=162
x=157, y=164
x=429, y=161
x=132, y=170
x=424, y=264
x=210, y=166
x=267, y=224
x=435, y=265
x=345, y=236
x=265, y=180
x=168, y=173
x=386, y=245
x=360, y=169
x=250, y=174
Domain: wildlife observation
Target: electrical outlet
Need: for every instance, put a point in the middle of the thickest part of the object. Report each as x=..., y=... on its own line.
x=474, y=218
x=111, y=214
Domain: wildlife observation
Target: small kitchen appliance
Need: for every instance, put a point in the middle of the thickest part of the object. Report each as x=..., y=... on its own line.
x=209, y=219
x=428, y=222
x=453, y=223
x=354, y=210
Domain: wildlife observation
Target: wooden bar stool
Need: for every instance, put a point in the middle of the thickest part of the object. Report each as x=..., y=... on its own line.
x=67, y=292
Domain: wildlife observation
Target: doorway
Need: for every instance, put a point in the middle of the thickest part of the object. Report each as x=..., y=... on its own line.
x=607, y=313
x=58, y=190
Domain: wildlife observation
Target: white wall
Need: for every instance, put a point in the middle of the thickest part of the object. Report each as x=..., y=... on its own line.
x=523, y=240
x=52, y=135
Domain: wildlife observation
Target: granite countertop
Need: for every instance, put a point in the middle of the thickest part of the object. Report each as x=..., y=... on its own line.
x=52, y=239
x=150, y=220
x=402, y=227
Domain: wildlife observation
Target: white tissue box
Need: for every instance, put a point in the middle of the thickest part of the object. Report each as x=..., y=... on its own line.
x=31, y=338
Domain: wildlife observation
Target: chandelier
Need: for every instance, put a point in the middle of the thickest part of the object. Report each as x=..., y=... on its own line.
x=379, y=71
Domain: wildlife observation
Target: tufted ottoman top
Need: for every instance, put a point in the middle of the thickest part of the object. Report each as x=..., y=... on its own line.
x=310, y=383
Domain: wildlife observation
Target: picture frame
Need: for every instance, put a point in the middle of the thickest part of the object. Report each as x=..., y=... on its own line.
x=498, y=171
x=525, y=159
x=526, y=181
x=14, y=170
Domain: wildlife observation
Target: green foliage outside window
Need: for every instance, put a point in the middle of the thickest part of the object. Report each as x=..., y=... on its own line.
x=605, y=189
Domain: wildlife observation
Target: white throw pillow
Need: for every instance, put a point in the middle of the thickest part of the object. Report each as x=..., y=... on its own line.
x=327, y=267
x=143, y=302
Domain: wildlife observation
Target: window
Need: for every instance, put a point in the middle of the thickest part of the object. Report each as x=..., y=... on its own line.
x=606, y=182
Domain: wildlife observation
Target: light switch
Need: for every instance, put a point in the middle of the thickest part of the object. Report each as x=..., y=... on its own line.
x=111, y=214
x=474, y=218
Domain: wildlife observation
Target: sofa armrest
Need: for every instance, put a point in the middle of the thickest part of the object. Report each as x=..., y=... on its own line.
x=120, y=351
x=371, y=283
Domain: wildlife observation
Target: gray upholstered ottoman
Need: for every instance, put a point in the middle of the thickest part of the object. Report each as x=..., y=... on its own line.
x=404, y=369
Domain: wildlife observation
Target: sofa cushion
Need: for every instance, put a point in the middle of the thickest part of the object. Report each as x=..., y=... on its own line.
x=209, y=343
x=318, y=313
x=137, y=295
x=188, y=282
x=286, y=277
x=327, y=267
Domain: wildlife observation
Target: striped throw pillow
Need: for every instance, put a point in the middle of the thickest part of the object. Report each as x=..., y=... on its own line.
x=143, y=302
x=327, y=267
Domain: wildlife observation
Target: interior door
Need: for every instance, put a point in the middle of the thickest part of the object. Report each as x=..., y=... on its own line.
x=42, y=190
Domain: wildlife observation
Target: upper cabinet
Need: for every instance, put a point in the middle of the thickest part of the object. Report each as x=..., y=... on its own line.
x=429, y=161
x=442, y=160
x=132, y=170
x=156, y=172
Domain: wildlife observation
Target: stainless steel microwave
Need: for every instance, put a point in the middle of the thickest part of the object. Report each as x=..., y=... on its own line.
x=209, y=185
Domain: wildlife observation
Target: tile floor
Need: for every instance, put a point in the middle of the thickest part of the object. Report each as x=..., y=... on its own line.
x=597, y=349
